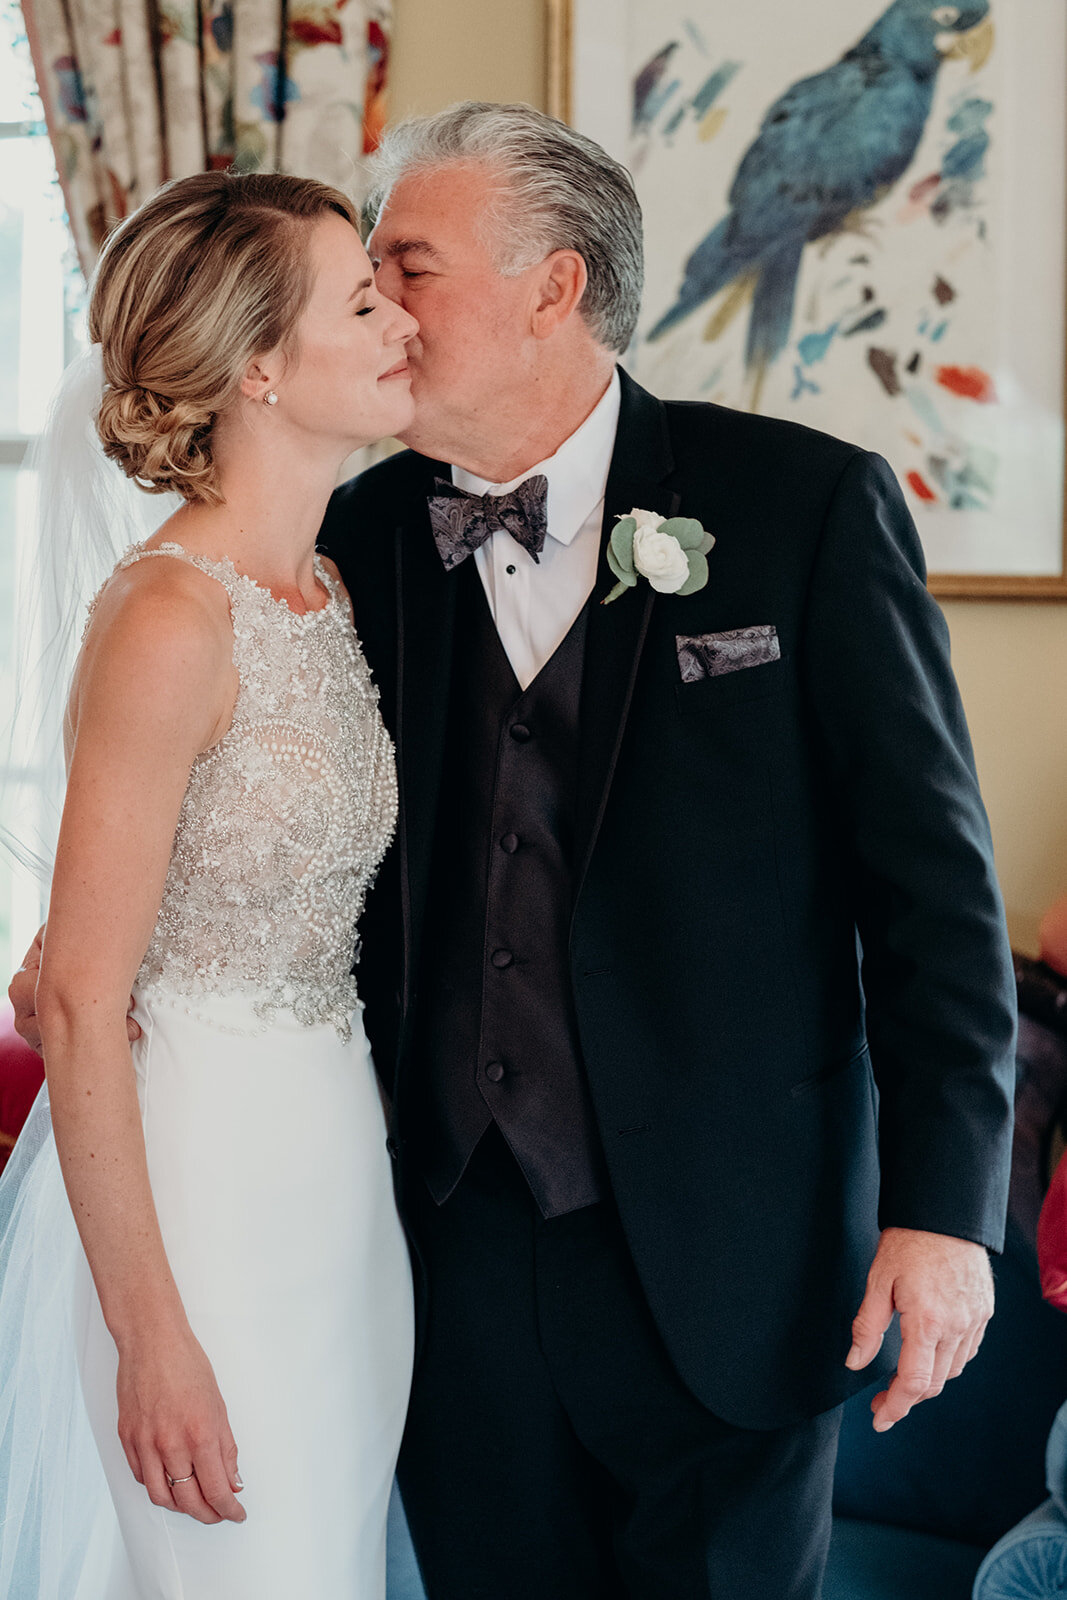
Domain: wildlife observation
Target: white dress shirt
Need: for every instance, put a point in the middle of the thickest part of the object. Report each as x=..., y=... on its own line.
x=535, y=603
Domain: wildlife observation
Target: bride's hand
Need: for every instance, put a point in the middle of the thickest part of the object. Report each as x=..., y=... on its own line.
x=172, y=1420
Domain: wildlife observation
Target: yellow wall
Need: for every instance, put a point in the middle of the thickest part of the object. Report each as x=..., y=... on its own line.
x=1010, y=657
x=1011, y=661
x=445, y=50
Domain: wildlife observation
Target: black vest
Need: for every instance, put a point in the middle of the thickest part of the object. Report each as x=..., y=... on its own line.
x=498, y=1038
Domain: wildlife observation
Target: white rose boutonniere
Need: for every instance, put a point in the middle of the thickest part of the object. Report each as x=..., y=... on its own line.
x=671, y=552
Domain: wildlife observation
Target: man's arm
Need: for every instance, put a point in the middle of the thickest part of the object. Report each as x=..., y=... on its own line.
x=936, y=965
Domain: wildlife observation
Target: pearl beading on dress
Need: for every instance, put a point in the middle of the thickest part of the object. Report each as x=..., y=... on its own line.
x=285, y=820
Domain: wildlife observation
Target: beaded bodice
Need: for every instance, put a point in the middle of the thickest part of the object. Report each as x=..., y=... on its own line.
x=285, y=820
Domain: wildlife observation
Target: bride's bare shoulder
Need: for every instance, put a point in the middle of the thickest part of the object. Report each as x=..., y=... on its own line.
x=151, y=587
x=159, y=630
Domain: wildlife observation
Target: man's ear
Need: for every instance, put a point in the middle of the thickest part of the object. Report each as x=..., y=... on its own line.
x=557, y=290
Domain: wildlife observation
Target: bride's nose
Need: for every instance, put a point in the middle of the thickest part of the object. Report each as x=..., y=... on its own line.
x=405, y=326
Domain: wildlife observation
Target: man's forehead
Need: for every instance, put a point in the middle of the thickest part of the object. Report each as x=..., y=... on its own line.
x=404, y=227
x=432, y=210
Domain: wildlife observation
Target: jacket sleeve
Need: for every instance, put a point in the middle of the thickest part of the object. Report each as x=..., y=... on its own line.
x=936, y=965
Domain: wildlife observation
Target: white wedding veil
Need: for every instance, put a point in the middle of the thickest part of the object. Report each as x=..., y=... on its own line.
x=87, y=514
x=58, y=1531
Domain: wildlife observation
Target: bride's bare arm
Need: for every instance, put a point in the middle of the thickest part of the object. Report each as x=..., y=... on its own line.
x=154, y=687
x=22, y=993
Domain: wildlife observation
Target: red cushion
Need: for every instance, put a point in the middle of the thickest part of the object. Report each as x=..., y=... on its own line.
x=1052, y=1238
x=21, y=1075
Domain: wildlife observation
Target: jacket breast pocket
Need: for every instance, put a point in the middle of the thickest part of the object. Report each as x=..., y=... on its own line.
x=749, y=683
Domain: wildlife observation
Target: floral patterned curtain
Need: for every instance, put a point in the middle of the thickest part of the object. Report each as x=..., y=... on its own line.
x=139, y=91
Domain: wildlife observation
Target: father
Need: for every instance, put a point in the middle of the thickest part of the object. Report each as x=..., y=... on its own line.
x=680, y=881
x=690, y=956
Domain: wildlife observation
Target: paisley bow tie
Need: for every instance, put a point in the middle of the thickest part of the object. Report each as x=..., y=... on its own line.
x=461, y=522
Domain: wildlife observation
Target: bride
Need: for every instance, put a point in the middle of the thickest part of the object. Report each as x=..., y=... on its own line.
x=241, y=1292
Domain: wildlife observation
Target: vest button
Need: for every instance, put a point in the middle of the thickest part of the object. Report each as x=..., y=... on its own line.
x=520, y=732
x=502, y=958
x=495, y=1071
x=510, y=843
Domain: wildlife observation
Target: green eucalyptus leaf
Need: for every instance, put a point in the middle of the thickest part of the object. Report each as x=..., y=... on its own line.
x=626, y=575
x=705, y=544
x=620, y=588
x=698, y=573
x=686, y=530
x=621, y=545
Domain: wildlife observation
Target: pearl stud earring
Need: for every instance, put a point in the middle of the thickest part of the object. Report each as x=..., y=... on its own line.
x=271, y=398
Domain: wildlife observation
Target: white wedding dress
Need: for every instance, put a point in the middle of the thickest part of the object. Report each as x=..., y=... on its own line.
x=266, y=1145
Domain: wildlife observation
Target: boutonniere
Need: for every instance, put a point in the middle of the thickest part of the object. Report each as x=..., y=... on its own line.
x=671, y=552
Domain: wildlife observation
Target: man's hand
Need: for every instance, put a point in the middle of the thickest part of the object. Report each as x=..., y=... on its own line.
x=22, y=992
x=943, y=1289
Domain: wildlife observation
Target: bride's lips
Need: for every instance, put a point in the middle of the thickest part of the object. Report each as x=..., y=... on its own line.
x=401, y=370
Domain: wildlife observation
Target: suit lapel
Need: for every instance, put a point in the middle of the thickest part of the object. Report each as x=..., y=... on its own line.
x=426, y=611
x=642, y=459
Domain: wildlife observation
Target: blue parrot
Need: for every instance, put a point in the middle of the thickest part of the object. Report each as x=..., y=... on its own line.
x=832, y=144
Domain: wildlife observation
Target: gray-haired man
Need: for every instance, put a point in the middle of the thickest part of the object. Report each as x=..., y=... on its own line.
x=611, y=969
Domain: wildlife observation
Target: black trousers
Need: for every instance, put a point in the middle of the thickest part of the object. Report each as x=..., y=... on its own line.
x=551, y=1451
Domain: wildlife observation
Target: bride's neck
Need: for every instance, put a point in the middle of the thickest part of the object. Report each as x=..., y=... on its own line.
x=274, y=503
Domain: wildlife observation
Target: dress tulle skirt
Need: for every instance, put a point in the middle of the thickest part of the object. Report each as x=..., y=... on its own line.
x=266, y=1152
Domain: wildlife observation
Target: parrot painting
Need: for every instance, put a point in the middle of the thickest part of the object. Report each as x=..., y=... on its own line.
x=831, y=146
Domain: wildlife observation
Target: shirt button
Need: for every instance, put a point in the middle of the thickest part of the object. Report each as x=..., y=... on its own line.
x=502, y=959
x=495, y=1071
x=520, y=732
x=510, y=843
x=510, y=571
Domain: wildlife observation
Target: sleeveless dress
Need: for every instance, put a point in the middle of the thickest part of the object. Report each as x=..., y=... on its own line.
x=266, y=1145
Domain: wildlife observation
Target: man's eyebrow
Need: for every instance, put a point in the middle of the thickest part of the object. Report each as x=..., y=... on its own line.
x=403, y=247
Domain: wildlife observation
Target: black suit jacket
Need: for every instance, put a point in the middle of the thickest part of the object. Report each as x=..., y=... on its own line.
x=790, y=967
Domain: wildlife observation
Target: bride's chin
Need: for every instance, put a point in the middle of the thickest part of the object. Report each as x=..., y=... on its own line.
x=390, y=423
x=403, y=414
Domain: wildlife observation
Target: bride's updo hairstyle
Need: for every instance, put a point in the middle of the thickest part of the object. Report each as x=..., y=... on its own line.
x=208, y=274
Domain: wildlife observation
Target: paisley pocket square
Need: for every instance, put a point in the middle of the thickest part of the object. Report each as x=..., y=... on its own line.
x=709, y=655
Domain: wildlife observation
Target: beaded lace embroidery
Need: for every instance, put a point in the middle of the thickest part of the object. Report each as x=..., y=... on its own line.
x=285, y=820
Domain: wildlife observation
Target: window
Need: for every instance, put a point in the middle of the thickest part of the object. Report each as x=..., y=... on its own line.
x=41, y=312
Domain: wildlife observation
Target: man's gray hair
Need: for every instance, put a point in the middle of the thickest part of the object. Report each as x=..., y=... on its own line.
x=558, y=191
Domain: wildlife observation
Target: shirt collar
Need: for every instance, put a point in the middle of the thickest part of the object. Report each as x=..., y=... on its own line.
x=577, y=473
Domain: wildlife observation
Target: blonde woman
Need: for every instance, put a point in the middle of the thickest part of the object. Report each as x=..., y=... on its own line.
x=242, y=1311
